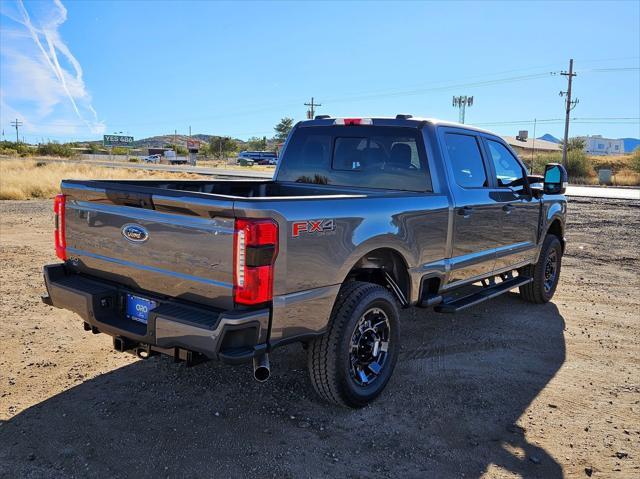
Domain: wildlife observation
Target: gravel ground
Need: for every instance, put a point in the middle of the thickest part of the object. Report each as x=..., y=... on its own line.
x=505, y=389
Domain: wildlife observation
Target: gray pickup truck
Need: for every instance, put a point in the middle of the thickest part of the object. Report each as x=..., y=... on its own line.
x=363, y=217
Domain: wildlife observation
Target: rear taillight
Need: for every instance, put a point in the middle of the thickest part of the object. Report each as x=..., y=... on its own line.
x=59, y=233
x=255, y=250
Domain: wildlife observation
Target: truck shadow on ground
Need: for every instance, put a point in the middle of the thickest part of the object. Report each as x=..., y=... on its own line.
x=451, y=410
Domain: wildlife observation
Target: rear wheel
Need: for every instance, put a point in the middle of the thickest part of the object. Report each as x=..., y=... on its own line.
x=545, y=273
x=352, y=362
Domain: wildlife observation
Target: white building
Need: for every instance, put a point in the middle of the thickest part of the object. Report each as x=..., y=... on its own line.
x=597, y=145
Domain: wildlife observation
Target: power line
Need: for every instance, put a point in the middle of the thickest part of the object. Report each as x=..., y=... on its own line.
x=373, y=95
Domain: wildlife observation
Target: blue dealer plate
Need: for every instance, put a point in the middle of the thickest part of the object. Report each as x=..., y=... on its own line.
x=138, y=308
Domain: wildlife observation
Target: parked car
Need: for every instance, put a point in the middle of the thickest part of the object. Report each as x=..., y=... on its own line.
x=259, y=157
x=363, y=217
x=151, y=159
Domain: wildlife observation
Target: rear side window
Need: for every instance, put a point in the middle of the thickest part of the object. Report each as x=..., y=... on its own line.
x=466, y=160
x=357, y=156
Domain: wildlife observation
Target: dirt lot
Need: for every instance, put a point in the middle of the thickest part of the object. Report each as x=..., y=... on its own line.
x=505, y=389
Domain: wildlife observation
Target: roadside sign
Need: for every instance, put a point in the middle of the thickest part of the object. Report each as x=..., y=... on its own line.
x=117, y=140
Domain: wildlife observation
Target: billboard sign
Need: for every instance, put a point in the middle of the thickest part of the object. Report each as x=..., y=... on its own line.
x=117, y=140
x=193, y=144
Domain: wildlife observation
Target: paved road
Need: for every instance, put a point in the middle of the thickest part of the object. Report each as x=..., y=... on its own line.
x=604, y=192
x=578, y=191
x=177, y=168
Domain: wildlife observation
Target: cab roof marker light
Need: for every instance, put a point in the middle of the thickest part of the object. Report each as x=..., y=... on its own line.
x=353, y=121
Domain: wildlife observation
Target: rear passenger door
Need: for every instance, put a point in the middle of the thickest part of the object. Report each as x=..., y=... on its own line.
x=477, y=213
x=520, y=211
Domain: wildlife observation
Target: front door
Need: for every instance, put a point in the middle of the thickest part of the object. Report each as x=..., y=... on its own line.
x=477, y=214
x=520, y=211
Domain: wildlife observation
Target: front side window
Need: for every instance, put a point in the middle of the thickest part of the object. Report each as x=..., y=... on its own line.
x=507, y=167
x=466, y=160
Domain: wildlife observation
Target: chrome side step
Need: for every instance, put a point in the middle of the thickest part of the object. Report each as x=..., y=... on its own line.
x=488, y=292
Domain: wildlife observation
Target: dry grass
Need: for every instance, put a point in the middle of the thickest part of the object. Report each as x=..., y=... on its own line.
x=626, y=177
x=226, y=165
x=616, y=163
x=27, y=179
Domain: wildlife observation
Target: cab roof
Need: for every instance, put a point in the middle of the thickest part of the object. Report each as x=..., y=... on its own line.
x=398, y=120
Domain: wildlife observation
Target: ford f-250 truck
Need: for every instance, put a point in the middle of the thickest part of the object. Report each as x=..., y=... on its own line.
x=363, y=217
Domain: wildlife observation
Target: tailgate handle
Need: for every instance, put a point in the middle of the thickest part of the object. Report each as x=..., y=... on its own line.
x=128, y=198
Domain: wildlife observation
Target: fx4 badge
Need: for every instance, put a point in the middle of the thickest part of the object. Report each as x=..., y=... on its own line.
x=312, y=227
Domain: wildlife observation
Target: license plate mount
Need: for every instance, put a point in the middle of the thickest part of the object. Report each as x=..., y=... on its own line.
x=138, y=308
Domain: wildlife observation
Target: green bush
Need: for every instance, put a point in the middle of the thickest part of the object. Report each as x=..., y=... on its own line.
x=8, y=151
x=54, y=149
x=635, y=160
x=578, y=165
x=120, y=150
x=133, y=159
x=14, y=149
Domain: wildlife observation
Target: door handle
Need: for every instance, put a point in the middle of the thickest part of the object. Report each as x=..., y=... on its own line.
x=465, y=211
x=508, y=208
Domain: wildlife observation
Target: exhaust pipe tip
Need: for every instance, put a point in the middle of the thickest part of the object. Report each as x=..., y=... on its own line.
x=261, y=369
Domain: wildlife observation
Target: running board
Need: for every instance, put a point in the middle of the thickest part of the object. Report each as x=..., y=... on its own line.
x=486, y=293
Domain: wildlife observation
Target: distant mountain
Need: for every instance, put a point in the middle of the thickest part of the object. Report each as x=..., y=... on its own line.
x=548, y=137
x=630, y=144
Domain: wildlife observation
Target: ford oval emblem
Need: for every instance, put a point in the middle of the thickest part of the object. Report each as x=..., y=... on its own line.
x=135, y=233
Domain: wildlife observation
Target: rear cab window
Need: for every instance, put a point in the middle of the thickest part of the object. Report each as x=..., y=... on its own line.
x=382, y=157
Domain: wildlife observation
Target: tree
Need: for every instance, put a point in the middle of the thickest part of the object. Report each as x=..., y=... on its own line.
x=222, y=146
x=575, y=144
x=282, y=129
x=257, y=144
x=179, y=149
x=204, y=150
x=635, y=160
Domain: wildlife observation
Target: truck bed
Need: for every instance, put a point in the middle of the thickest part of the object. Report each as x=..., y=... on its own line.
x=190, y=224
x=232, y=189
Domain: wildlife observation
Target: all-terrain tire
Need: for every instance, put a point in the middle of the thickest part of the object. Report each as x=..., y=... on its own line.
x=328, y=356
x=536, y=292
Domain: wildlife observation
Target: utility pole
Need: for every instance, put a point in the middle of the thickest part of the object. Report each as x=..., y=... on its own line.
x=311, y=113
x=569, y=105
x=462, y=102
x=533, y=150
x=16, y=124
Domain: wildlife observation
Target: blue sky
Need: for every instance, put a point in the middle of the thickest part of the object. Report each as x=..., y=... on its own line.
x=76, y=70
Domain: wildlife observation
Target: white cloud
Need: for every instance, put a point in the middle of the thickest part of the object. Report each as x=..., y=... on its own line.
x=42, y=82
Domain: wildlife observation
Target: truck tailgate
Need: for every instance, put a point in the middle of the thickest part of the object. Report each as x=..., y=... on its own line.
x=178, y=247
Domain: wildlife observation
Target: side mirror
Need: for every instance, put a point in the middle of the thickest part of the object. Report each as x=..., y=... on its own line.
x=555, y=179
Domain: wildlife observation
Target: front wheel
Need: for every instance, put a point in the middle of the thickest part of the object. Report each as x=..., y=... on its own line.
x=545, y=273
x=352, y=362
